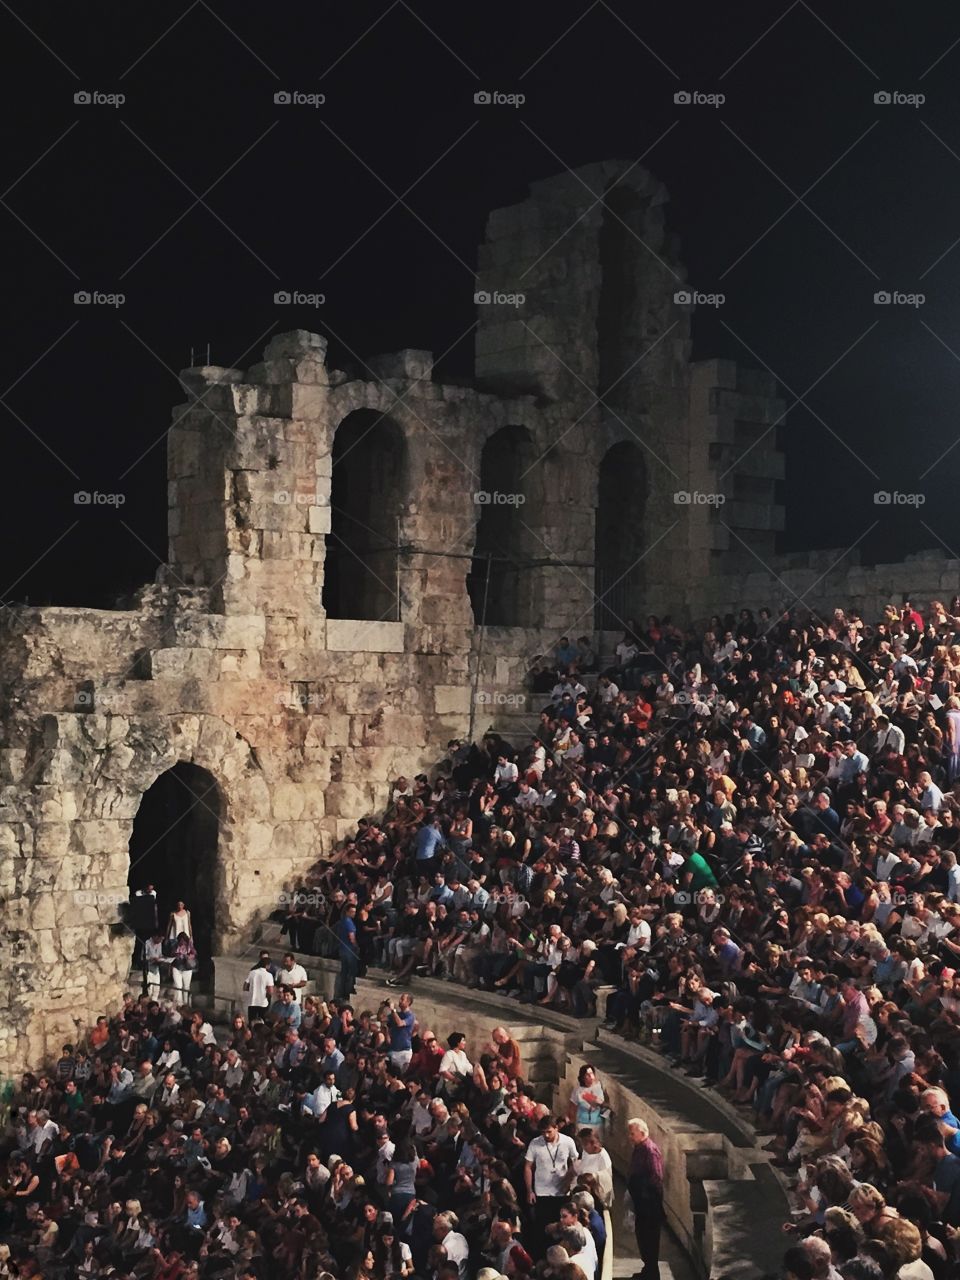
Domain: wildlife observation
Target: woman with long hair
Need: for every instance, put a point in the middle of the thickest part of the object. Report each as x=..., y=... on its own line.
x=184, y=964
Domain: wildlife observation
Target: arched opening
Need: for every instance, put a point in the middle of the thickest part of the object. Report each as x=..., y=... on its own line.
x=173, y=846
x=621, y=504
x=618, y=285
x=361, y=571
x=500, y=580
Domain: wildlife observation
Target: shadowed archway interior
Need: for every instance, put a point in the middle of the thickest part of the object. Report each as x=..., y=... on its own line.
x=500, y=578
x=366, y=501
x=174, y=847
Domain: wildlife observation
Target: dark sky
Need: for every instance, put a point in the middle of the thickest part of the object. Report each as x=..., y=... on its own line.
x=199, y=197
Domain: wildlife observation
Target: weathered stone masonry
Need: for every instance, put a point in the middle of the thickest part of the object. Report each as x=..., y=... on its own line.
x=232, y=661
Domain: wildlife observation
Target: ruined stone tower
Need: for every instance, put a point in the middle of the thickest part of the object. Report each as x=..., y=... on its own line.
x=335, y=539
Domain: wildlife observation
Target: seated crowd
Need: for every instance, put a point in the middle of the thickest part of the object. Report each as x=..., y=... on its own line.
x=739, y=844
x=327, y=1144
x=743, y=841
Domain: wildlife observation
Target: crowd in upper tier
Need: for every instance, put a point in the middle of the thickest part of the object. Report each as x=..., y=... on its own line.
x=741, y=843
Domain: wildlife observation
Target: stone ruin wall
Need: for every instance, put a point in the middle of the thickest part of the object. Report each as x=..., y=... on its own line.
x=230, y=662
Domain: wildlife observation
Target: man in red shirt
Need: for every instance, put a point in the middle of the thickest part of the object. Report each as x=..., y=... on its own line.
x=425, y=1063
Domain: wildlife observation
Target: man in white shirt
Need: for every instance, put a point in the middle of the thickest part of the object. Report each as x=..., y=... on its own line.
x=326, y=1092
x=607, y=691
x=886, y=861
x=527, y=797
x=890, y=736
x=454, y=1244
x=259, y=989
x=292, y=975
x=547, y=1168
x=505, y=774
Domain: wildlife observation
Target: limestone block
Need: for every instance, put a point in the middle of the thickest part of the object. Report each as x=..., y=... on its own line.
x=256, y=840
x=287, y=801
x=242, y=662
x=319, y=519
x=451, y=699
x=346, y=800
x=176, y=664
x=349, y=636
x=74, y=943
x=296, y=343
x=52, y=840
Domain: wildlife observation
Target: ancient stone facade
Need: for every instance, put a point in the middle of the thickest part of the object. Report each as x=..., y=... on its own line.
x=335, y=536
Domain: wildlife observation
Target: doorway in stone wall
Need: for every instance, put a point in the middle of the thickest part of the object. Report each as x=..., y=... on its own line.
x=174, y=847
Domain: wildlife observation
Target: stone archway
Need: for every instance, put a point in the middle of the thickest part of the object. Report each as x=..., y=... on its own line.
x=174, y=847
x=501, y=579
x=366, y=501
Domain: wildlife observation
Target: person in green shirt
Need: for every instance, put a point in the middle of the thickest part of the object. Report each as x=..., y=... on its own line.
x=72, y=1097
x=696, y=874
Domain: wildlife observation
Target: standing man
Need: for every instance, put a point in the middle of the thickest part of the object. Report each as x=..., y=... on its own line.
x=259, y=989
x=346, y=931
x=401, y=1022
x=645, y=1184
x=547, y=1168
x=153, y=958
x=145, y=921
x=292, y=975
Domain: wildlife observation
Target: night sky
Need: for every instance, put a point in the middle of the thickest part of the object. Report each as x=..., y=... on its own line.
x=199, y=197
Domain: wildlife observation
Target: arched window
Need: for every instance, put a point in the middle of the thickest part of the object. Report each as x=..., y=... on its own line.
x=500, y=579
x=366, y=499
x=621, y=503
x=174, y=847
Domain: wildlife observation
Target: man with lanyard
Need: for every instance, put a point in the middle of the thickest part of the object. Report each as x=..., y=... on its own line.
x=547, y=1168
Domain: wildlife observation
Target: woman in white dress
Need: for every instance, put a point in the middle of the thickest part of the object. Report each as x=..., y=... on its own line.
x=179, y=922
